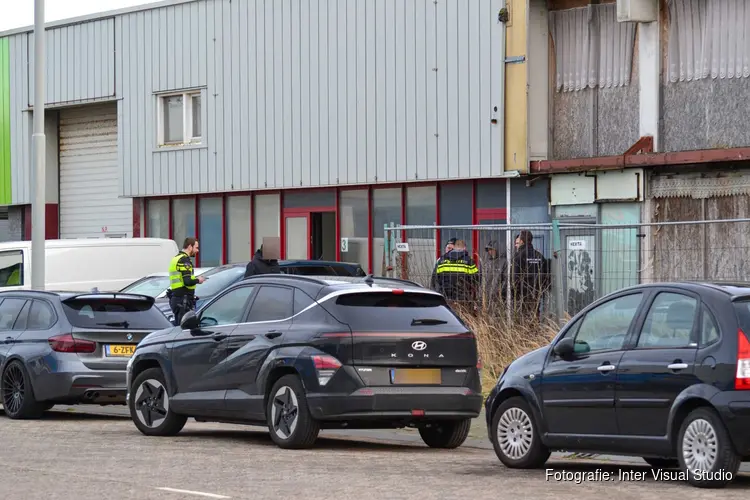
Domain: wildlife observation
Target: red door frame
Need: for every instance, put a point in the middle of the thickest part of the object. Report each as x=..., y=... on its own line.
x=307, y=212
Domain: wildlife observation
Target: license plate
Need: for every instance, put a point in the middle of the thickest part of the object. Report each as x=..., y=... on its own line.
x=416, y=376
x=120, y=351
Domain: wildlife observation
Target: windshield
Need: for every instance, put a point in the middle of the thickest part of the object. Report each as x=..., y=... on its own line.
x=218, y=279
x=152, y=286
x=114, y=313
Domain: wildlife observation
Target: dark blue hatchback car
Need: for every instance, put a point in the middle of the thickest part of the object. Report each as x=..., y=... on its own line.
x=221, y=277
x=660, y=371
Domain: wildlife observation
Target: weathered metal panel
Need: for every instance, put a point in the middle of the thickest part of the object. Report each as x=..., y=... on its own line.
x=313, y=93
x=20, y=121
x=572, y=189
x=80, y=62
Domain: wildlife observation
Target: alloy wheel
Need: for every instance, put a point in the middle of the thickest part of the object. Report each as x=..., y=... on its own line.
x=284, y=412
x=700, y=446
x=514, y=433
x=14, y=389
x=151, y=403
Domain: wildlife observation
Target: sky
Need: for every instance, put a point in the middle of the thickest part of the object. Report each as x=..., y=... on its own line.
x=21, y=14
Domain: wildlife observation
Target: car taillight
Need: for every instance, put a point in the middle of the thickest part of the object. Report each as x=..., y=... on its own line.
x=742, y=379
x=66, y=343
x=326, y=366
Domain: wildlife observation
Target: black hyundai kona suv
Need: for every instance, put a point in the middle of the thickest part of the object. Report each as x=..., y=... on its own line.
x=300, y=354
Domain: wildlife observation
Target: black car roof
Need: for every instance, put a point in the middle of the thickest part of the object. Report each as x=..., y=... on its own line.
x=731, y=289
x=314, y=285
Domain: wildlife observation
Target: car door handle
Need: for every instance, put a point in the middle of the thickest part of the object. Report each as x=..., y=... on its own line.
x=8, y=340
x=606, y=368
x=677, y=366
x=219, y=337
x=273, y=334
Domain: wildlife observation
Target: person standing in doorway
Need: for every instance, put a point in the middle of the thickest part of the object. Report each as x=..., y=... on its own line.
x=182, y=280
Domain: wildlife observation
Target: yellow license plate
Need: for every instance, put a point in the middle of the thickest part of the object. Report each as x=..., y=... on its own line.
x=120, y=351
x=417, y=376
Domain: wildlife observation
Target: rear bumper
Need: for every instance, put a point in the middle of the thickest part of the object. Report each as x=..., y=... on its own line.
x=396, y=404
x=734, y=408
x=70, y=381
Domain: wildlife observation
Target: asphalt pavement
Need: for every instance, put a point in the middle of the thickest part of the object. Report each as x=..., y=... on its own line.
x=97, y=454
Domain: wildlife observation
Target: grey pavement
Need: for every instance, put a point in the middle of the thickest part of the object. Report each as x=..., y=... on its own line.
x=97, y=454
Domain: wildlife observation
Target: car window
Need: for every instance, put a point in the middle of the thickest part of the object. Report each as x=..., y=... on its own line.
x=709, y=328
x=273, y=303
x=606, y=326
x=669, y=322
x=41, y=316
x=228, y=309
x=218, y=279
x=11, y=268
x=151, y=286
x=105, y=312
x=301, y=301
x=9, y=311
x=23, y=317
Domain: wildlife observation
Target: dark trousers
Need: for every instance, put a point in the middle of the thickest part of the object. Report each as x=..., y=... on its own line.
x=180, y=305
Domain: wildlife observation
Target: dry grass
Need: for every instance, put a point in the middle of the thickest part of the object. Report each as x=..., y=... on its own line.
x=500, y=341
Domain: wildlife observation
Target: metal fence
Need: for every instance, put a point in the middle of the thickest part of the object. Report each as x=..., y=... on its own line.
x=586, y=261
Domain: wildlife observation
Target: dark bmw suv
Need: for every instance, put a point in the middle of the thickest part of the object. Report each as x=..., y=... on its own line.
x=300, y=354
x=658, y=371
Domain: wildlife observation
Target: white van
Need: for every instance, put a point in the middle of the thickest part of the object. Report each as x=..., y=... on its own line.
x=78, y=265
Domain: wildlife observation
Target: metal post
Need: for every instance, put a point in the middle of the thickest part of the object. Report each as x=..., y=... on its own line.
x=508, y=253
x=39, y=154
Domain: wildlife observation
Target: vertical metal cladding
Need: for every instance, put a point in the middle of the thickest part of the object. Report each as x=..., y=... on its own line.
x=312, y=93
x=6, y=193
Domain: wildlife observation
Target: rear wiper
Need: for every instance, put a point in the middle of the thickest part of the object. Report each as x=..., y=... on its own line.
x=123, y=324
x=427, y=321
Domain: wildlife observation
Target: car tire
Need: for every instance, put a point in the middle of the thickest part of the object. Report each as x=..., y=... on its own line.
x=515, y=436
x=701, y=434
x=18, y=398
x=149, y=405
x=288, y=417
x=446, y=435
x=662, y=463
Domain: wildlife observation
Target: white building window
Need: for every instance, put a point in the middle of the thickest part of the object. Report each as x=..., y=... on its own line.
x=180, y=119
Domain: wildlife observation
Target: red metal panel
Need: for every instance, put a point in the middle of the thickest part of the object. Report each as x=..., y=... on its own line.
x=282, y=227
x=338, y=229
x=137, y=217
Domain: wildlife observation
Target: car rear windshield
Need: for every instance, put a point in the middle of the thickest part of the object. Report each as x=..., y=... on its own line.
x=365, y=311
x=114, y=313
x=742, y=309
x=218, y=279
x=152, y=286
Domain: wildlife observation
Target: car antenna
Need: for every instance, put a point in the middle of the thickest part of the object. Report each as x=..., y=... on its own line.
x=369, y=280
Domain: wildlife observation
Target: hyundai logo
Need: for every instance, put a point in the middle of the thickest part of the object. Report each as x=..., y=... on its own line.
x=130, y=336
x=419, y=345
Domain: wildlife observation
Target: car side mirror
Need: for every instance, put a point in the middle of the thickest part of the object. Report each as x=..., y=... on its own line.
x=565, y=348
x=190, y=321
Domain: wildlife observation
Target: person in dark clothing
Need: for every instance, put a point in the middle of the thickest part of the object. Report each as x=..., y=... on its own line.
x=456, y=274
x=259, y=265
x=448, y=247
x=530, y=273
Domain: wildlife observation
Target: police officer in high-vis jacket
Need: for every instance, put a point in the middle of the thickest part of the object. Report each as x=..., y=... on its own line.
x=182, y=282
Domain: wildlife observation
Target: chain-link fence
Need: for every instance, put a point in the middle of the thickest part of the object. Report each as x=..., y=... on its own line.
x=584, y=261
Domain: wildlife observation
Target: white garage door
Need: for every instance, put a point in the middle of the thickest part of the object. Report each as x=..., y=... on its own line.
x=90, y=206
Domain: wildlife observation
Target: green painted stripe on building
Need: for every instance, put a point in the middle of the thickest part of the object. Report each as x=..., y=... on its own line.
x=6, y=193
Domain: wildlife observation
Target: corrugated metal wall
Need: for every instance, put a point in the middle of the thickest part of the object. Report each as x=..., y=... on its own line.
x=313, y=93
x=80, y=64
x=20, y=120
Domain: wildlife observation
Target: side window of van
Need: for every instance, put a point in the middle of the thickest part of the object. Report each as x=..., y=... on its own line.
x=11, y=268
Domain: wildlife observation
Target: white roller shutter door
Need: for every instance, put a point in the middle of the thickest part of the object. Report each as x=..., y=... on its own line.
x=90, y=206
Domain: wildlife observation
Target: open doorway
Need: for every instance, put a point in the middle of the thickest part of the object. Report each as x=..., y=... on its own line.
x=323, y=236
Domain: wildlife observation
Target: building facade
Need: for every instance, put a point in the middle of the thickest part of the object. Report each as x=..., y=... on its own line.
x=645, y=122
x=316, y=121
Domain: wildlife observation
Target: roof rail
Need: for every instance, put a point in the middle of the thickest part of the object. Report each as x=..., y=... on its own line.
x=283, y=276
x=396, y=280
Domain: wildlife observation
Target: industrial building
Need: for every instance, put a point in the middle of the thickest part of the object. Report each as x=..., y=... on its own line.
x=316, y=121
